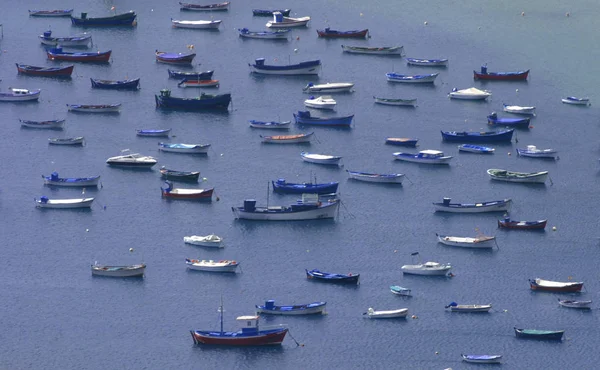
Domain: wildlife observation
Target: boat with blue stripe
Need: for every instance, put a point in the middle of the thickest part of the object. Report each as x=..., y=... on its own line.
x=282, y=186
x=301, y=309
x=493, y=119
x=55, y=180
x=153, y=132
x=471, y=148
x=478, y=137
x=396, y=77
x=305, y=118
x=318, y=275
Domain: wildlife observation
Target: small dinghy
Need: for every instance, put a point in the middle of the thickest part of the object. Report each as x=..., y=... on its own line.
x=517, y=109
x=270, y=124
x=397, y=102
x=389, y=314
x=119, y=271
x=470, y=308
x=471, y=93
x=211, y=266
x=153, y=132
x=211, y=240
x=482, y=359
x=575, y=304
x=44, y=202
x=198, y=83
x=79, y=140
x=401, y=141
x=320, y=158
x=398, y=290
x=301, y=309
x=470, y=148
x=576, y=101
x=533, y=152
x=322, y=102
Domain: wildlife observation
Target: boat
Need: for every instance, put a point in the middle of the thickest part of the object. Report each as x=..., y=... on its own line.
x=206, y=75
x=308, y=208
x=475, y=149
x=280, y=21
x=305, y=118
x=124, y=19
x=278, y=34
x=471, y=93
x=212, y=266
x=534, y=152
x=482, y=359
x=95, y=57
x=205, y=8
x=490, y=206
x=132, y=84
x=493, y=119
x=95, y=108
x=311, y=67
x=45, y=71
x=318, y=275
x=478, y=242
x=174, y=58
x=374, y=50
x=414, y=79
x=284, y=187
x=132, y=160
x=270, y=124
x=184, y=148
x=196, y=24
x=301, y=309
x=397, y=102
x=401, y=141
x=288, y=139
x=212, y=240
x=483, y=74
x=119, y=271
x=576, y=101
x=51, y=13
x=179, y=175
x=56, y=124
x=333, y=34
x=468, y=308
x=322, y=102
x=45, y=202
x=478, y=137
x=424, y=156
x=81, y=40
x=198, y=83
x=428, y=268
x=168, y=191
x=539, y=334
x=387, y=314
x=443, y=62
x=507, y=223
x=517, y=109
x=18, y=95
x=398, y=290
x=153, y=132
x=269, y=13
x=512, y=176
x=555, y=286
x=79, y=140
x=575, y=304
x=320, y=158
x=55, y=180
x=386, y=178
x=329, y=87
x=202, y=102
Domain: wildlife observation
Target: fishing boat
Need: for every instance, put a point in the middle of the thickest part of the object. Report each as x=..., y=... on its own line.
x=443, y=62
x=512, y=176
x=397, y=102
x=20, y=95
x=386, y=314
x=427, y=268
x=132, y=84
x=470, y=148
x=133, y=160
x=333, y=34
x=95, y=57
x=312, y=67
x=398, y=290
x=490, y=206
x=270, y=124
x=179, y=175
x=318, y=275
x=184, y=148
x=483, y=74
x=280, y=21
x=424, y=156
x=168, y=191
x=482, y=359
x=45, y=71
x=468, y=308
x=533, y=152
x=45, y=202
x=95, y=108
x=51, y=13
x=555, y=286
x=478, y=137
x=539, y=334
x=212, y=25
x=81, y=40
x=206, y=75
x=198, y=83
x=284, y=187
x=56, y=124
x=320, y=158
x=79, y=140
x=329, y=87
x=478, y=242
x=288, y=139
x=305, y=118
x=517, y=109
x=202, y=102
x=413, y=79
x=493, y=119
x=576, y=101
x=212, y=266
x=269, y=13
x=205, y=8
x=471, y=93
x=402, y=141
x=321, y=102
x=308, y=208
x=174, y=58
x=124, y=19
x=55, y=180
x=585, y=305
x=153, y=132
x=507, y=223
x=301, y=309
x=119, y=271
x=386, y=178
x=212, y=240
x=374, y=50
x=278, y=34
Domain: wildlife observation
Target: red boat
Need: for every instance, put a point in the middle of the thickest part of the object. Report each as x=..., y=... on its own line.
x=180, y=193
x=174, y=58
x=500, y=76
x=354, y=34
x=45, y=71
x=555, y=286
x=507, y=223
x=98, y=57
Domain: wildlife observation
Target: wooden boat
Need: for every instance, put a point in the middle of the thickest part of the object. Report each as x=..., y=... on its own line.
x=179, y=175
x=470, y=148
x=168, y=191
x=511, y=176
x=134, y=160
x=413, y=79
x=471, y=93
x=517, y=109
x=427, y=62
x=206, y=75
x=269, y=13
x=20, y=95
x=212, y=266
x=51, y=13
x=507, y=223
x=174, y=58
x=533, y=152
x=387, y=314
x=305, y=118
x=45, y=202
x=398, y=290
x=386, y=178
x=478, y=242
x=278, y=34
x=196, y=24
x=56, y=124
x=95, y=108
x=79, y=140
x=124, y=19
x=301, y=309
x=374, y=50
x=469, y=308
x=321, y=102
x=288, y=139
x=500, y=76
x=270, y=124
x=55, y=180
x=478, y=137
x=539, y=334
x=327, y=277
x=424, y=156
x=555, y=286
x=97, y=57
x=482, y=359
x=81, y=40
x=205, y=8
x=320, y=158
x=202, y=102
x=119, y=271
x=397, y=102
x=184, y=148
x=576, y=101
x=308, y=208
x=132, y=84
x=212, y=240
x=45, y=71
x=585, y=305
x=427, y=268
x=329, y=87
x=401, y=141
x=198, y=83
x=490, y=206
x=280, y=21
x=153, y=132
x=284, y=187
x=312, y=67
x=333, y=34
x=493, y=119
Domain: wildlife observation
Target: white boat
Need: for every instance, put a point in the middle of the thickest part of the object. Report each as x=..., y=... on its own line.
x=211, y=240
x=391, y=101
x=119, y=271
x=279, y=21
x=576, y=101
x=329, y=87
x=132, y=160
x=309, y=208
x=517, y=109
x=184, y=148
x=480, y=207
x=511, y=176
x=472, y=93
x=427, y=62
x=427, y=268
x=53, y=124
x=479, y=242
x=44, y=202
x=196, y=24
x=20, y=95
x=314, y=308
x=374, y=50
x=398, y=290
x=212, y=266
x=534, y=152
x=322, y=102
x=389, y=314
x=388, y=178
x=482, y=359
x=79, y=140
x=424, y=156
x=320, y=158
x=575, y=304
x=469, y=308
x=287, y=139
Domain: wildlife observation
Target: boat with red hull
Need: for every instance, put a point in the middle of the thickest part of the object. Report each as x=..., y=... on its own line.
x=500, y=76
x=555, y=286
x=188, y=194
x=45, y=71
x=507, y=223
x=96, y=57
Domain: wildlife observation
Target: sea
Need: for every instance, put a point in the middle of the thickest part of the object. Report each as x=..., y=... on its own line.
x=56, y=315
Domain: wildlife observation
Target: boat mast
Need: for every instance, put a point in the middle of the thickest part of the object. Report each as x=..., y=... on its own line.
x=221, y=314
x=267, y=195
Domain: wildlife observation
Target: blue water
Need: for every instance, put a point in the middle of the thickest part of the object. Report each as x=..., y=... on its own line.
x=55, y=315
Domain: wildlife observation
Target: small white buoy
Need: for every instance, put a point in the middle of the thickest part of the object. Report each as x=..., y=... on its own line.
x=308, y=250
x=505, y=311
x=425, y=23
x=204, y=179
x=395, y=251
x=361, y=14
x=437, y=353
x=517, y=90
x=509, y=153
x=568, y=14
x=522, y=14
x=553, y=228
x=87, y=230
x=221, y=154
x=131, y=249
x=295, y=50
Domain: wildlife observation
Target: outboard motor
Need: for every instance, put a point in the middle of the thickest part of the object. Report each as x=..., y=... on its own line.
x=54, y=176
x=47, y=33
x=484, y=69
x=169, y=186
x=446, y=201
x=278, y=17
x=44, y=199
x=260, y=61
x=280, y=181
x=249, y=205
x=270, y=304
x=493, y=115
x=454, y=89
x=83, y=15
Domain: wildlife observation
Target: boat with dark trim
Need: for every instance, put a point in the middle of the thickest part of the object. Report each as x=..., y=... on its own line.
x=64, y=72
x=333, y=34
x=284, y=187
x=174, y=58
x=56, y=124
x=305, y=118
x=329, y=87
x=168, y=191
x=202, y=102
x=555, y=286
x=471, y=148
x=311, y=67
x=413, y=79
x=582, y=305
x=95, y=108
x=270, y=308
x=132, y=160
x=175, y=175
x=55, y=180
x=573, y=100
x=130, y=271
x=183, y=75
x=184, y=148
x=95, y=57
x=402, y=141
x=482, y=359
x=480, y=207
x=374, y=50
x=278, y=34
x=210, y=25
x=51, y=13
x=79, y=140
x=469, y=308
x=132, y=84
x=318, y=275
x=384, y=178
x=124, y=19
x=493, y=119
x=478, y=242
x=81, y=40
x=513, y=176
x=270, y=124
x=507, y=223
x=153, y=132
x=534, y=152
x=443, y=62
x=396, y=102
x=198, y=83
x=427, y=156
x=281, y=21
x=288, y=139
x=45, y=202
x=478, y=137
x=310, y=207
x=205, y=8
x=500, y=76
x=269, y=13
x=539, y=334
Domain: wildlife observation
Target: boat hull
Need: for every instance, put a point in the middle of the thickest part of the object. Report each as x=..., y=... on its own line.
x=201, y=194
x=119, y=271
x=331, y=34
x=99, y=57
x=270, y=125
x=196, y=24
x=471, y=308
x=427, y=62
x=316, y=275
x=228, y=266
x=556, y=288
x=112, y=108
x=325, y=211
x=429, y=272
x=316, y=308
x=464, y=242
x=478, y=137
x=582, y=305
x=287, y=139
x=539, y=334
x=217, y=102
x=396, y=102
x=154, y=133
x=501, y=76
x=172, y=58
x=72, y=182
x=292, y=70
x=45, y=71
x=494, y=206
x=414, y=158
x=515, y=109
x=116, y=85
x=65, y=203
x=522, y=225
x=416, y=79
x=68, y=141
x=331, y=87
x=333, y=121
x=385, y=50
x=393, y=178
x=321, y=159
x=391, y=314
x=192, y=149
x=263, y=338
x=535, y=177
x=482, y=359
x=125, y=19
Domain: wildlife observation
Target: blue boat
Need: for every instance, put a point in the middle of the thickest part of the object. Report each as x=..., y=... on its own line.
x=478, y=137
x=153, y=132
x=269, y=13
x=427, y=62
x=312, y=67
x=470, y=148
x=269, y=124
x=304, y=117
x=401, y=141
x=301, y=309
x=539, y=334
x=116, y=84
x=282, y=186
x=413, y=79
x=206, y=75
x=55, y=180
x=493, y=119
x=279, y=34
x=203, y=102
x=124, y=19
x=332, y=278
